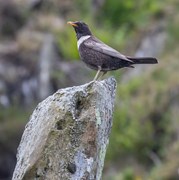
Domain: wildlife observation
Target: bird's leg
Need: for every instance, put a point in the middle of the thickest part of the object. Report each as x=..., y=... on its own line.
x=97, y=74
x=104, y=72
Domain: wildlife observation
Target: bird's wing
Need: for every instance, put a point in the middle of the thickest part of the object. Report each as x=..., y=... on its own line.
x=99, y=46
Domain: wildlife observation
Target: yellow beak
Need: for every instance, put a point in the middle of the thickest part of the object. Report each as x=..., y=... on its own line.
x=72, y=23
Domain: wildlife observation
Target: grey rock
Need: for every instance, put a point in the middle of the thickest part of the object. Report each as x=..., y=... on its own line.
x=68, y=133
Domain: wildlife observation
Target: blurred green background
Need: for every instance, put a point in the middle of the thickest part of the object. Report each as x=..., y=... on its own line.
x=38, y=55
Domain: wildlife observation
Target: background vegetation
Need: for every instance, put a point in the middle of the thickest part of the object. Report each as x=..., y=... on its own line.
x=144, y=138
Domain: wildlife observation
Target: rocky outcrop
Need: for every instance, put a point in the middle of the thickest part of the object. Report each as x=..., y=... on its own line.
x=68, y=134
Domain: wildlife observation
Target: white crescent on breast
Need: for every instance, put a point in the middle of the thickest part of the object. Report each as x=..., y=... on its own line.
x=82, y=39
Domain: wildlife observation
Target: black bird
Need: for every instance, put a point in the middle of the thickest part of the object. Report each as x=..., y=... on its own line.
x=101, y=57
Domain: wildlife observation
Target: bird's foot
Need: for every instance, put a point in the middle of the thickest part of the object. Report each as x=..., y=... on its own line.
x=93, y=81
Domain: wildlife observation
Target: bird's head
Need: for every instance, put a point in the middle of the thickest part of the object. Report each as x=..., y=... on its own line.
x=81, y=28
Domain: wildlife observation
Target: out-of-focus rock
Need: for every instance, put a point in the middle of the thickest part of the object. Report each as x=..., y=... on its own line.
x=11, y=18
x=46, y=60
x=154, y=41
x=46, y=22
x=71, y=73
x=151, y=45
x=29, y=41
x=31, y=68
x=60, y=7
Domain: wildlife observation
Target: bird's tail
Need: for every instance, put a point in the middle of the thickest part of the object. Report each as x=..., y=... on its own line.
x=143, y=60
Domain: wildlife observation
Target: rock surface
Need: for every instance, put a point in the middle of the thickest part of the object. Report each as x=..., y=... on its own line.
x=68, y=133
